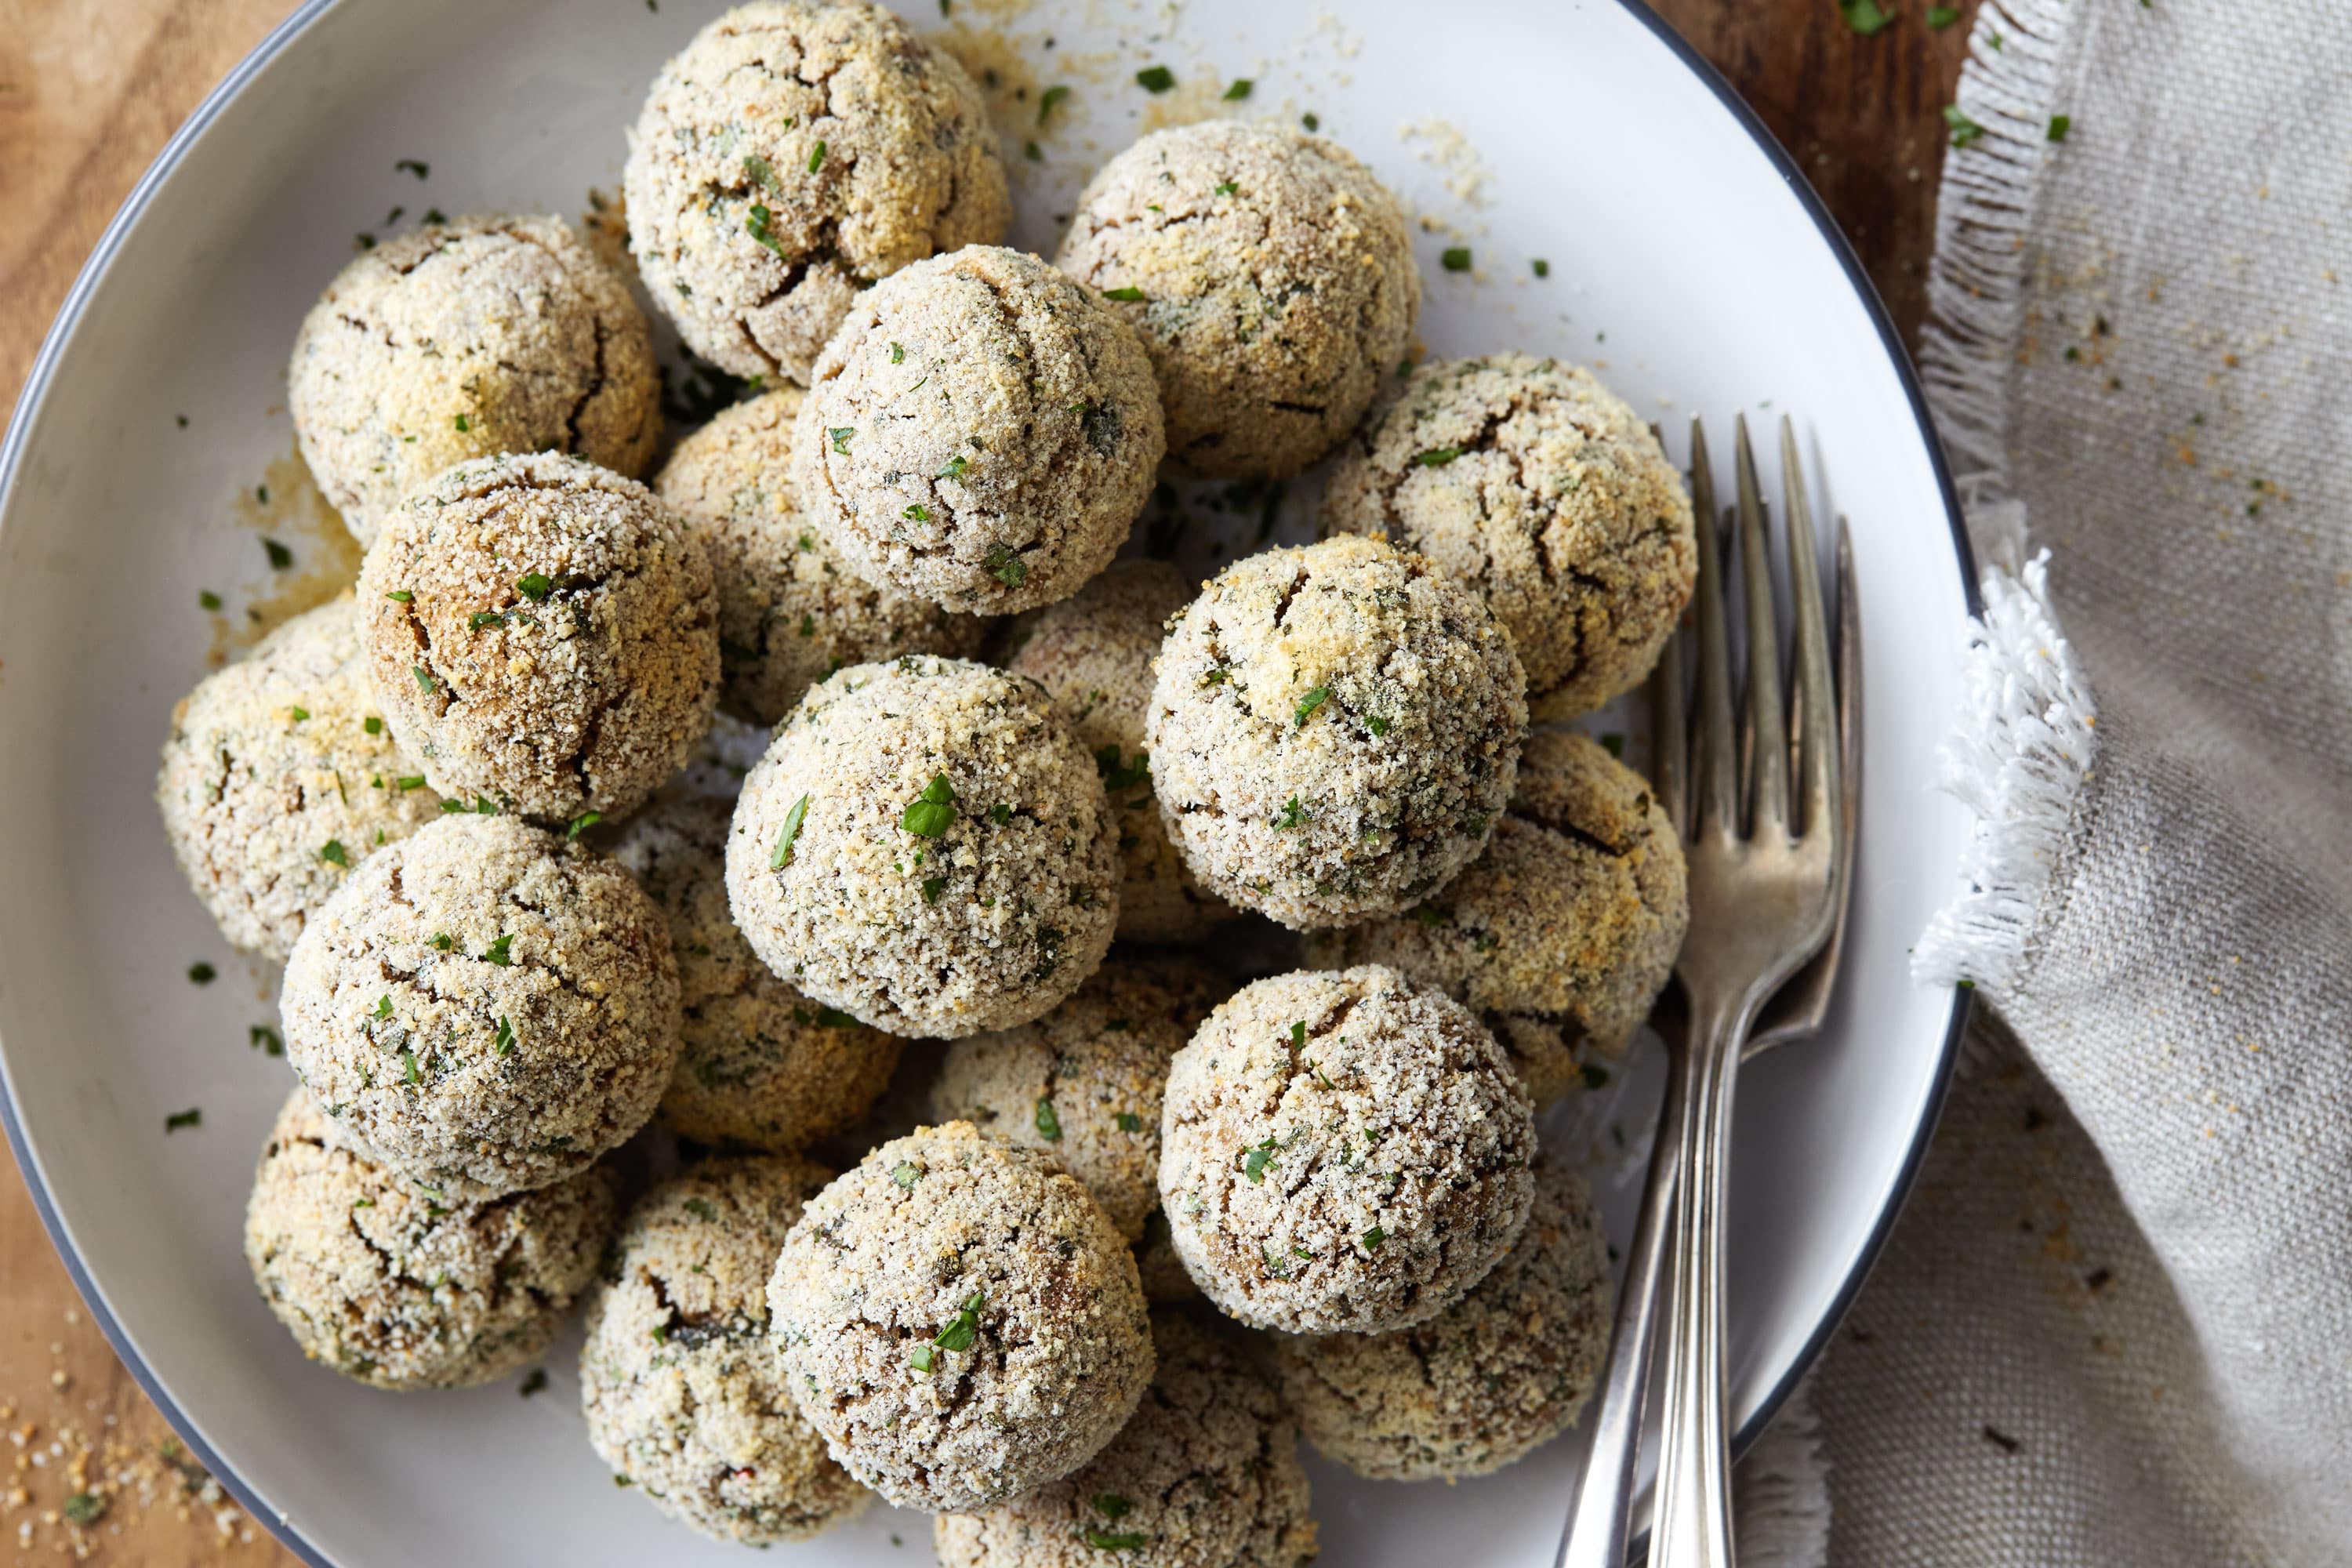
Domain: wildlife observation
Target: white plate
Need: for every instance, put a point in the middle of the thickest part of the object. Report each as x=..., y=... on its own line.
x=1686, y=253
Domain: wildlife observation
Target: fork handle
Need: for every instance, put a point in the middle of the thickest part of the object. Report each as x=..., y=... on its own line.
x=1601, y=1517
x=1692, y=1518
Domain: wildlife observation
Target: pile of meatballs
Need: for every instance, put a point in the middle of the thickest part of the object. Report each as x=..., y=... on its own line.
x=1158, y=1223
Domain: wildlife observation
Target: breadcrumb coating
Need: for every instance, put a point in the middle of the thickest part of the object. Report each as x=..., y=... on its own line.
x=678, y=1380
x=541, y=633
x=461, y=340
x=1333, y=731
x=398, y=1285
x=960, y=1319
x=1206, y=1476
x=980, y=433
x=1562, y=934
x=1083, y=1083
x=1484, y=1382
x=1094, y=653
x=485, y=1006
x=758, y=1065
x=1343, y=1150
x=925, y=848
x=273, y=786
x=791, y=156
x=1271, y=276
x=1535, y=484
x=790, y=610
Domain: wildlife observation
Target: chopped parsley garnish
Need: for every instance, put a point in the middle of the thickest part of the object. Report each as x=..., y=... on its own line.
x=1110, y=1505
x=1456, y=259
x=930, y=813
x=783, y=856
x=400, y=595
x=532, y=1382
x=701, y=1209
x=463, y=423
x=415, y=166
x=192, y=1117
x=264, y=1039
x=382, y=1006
x=1104, y=1540
x=407, y=782
x=202, y=974
x=425, y=681
x=1048, y=98
x=1312, y=122
x=1542, y=267
x=504, y=1040
x=333, y=853
x=299, y=713
x=2059, y=125
x=1128, y=294
x=1227, y=188
x=1942, y=16
x=481, y=618
x=964, y=1327
x=932, y=888
x=922, y=1358
x=500, y=952
x=954, y=468
x=442, y=940
x=1128, y=1121
x=1155, y=78
x=898, y=355
x=1293, y=814
x=756, y=225
x=1373, y=1237
x=1438, y=456
x=1005, y=566
x=1254, y=1163
x=1239, y=89
x=209, y=599
x=757, y=168
x=1965, y=131
x=1297, y=1033
x=1378, y=725
x=1315, y=698
x=1866, y=16
x=1049, y=1122
x=816, y=158
x=999, y=814
x=373, y=725
x=916, y=512
x=535, y=586
x=841, y=437
x=280, y=558
x=85, y=1508
x=906, y=1175
x=582, y=823
x=1117, y=777
x=408, y=1066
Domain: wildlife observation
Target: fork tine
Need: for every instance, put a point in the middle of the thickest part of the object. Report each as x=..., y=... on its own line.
x=1764, y=736
x=1670, y=737
x=1715, y=756
x=1819, y=712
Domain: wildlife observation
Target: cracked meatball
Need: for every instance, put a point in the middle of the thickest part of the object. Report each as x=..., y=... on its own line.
x=980, y=433
x=1561, y=935
x=789, y=157
x=1484, y=1382
x=1094, y=653
x=961, y=1321
x=925, y=848
x=543, y=634
x=1333, y=731
x=1343, y=1150
x=679, y=1381
x=485, y=335
x=1532, y=483
x=759, y=1064
x=484, y=1007
x=399, y=1285
x=279, y=777
x=1271, y=276
x=1083, y=1083
x=1206, y=1476
x=790, y=612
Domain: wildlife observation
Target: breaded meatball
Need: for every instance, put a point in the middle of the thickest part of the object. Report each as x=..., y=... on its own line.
x=759, y=1064
x=1271, y=276
x=790, y=156
x=1343, y=1150
x=543, y=633
x=1333, y=731
x=483, y=1005
x=1561, y=935
x=960, y=1319
x=278, y=777
x=678, y=1380
x=979, y=433
x=1484, y=1382
x=1094, y=653
x=1083, y=1083
x=1206, y=1476
x=1536, y=485
x=790, y=612
x=925, y=848
x=486, y=335
x=392, y=1281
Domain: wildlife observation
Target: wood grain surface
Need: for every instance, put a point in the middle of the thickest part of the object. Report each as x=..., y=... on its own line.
x=89, y=91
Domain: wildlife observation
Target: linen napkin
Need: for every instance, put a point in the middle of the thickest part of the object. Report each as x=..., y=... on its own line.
x=2115, y=1325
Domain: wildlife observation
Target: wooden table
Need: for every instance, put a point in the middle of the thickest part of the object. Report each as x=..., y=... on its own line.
x=88, y=95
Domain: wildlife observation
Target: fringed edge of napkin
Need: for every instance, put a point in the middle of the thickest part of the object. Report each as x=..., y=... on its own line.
x=2019, y=758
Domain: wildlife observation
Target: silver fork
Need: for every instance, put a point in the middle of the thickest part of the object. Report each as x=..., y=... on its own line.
x=1811, y=856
